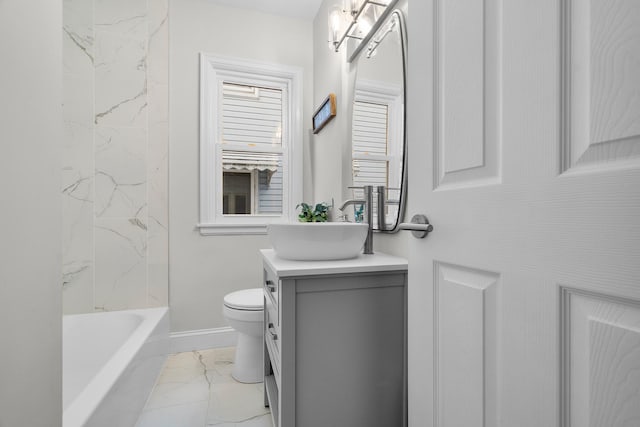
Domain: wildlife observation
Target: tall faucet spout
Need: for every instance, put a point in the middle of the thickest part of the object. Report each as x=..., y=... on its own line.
x=368, y=206
x=352, y=202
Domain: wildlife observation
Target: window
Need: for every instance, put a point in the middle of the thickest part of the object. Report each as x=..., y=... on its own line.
x=377, y=140
x=370, y=144
x=252, y=121
x=250, y=173
x=237, y=192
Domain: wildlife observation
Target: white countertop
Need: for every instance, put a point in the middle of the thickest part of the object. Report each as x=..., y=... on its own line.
x=377, y=262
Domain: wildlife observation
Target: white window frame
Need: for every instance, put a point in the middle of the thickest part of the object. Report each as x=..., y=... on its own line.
x=213, y=71
x=391, y=95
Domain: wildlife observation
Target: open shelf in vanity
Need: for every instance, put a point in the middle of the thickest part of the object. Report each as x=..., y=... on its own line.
x=271, y=396
x=335, y=341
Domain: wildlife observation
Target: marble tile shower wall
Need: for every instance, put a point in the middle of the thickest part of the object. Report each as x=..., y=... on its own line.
x=115, y=174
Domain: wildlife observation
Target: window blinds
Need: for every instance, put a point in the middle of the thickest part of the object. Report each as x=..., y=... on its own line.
x=370, y=144
x=251, y=115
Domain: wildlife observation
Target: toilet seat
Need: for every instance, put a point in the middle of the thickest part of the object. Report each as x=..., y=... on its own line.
x=246, y=300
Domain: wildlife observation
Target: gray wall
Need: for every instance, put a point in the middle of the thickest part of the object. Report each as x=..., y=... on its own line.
x=204, y=269
x=30, y=218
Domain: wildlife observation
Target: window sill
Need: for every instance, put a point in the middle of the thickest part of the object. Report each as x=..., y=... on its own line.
x=231, y=229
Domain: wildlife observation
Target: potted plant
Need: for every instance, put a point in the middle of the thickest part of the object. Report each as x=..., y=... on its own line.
x=310, y=213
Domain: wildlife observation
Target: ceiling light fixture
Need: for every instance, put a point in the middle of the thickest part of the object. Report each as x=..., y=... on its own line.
x=378, y=37
x=344, y=21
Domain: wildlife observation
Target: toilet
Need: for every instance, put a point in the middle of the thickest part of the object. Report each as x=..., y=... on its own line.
x=243, y=311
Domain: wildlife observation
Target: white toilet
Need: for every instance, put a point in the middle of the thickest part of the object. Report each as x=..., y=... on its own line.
x=244, y=313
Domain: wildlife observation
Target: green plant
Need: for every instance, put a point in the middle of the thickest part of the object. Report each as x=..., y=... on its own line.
x=309, y=213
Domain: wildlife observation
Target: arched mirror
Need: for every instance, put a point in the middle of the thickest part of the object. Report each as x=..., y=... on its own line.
x=378, y=131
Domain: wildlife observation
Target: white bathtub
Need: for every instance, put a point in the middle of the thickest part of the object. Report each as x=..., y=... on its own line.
x=110, y=364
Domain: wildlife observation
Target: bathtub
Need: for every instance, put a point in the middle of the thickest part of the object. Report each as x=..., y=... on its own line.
x=110, y=363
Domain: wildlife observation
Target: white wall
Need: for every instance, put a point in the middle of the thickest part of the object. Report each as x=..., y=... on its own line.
x=30, y=216
x=331, y=148
x=331, y=145
x=204, y=269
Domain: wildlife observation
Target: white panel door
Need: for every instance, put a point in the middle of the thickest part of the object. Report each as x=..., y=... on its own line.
x=524, y=142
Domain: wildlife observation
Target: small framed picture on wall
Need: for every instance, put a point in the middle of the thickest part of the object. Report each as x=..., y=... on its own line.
x=324, y=113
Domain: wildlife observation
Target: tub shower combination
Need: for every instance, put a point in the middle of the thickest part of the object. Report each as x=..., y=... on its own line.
x=110, y=364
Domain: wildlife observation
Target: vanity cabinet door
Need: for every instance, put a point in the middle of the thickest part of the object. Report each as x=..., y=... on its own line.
x=350, y=351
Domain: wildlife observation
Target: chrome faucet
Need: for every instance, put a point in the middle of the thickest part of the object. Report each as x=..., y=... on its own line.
x=368, y=210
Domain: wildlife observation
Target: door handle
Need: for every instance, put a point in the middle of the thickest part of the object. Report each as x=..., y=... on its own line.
x=419, y=226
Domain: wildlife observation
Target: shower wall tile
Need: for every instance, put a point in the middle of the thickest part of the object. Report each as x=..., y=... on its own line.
x=120, y=80
x=158, y=215
x=77, y=170
x=78, y=160
x=77, y=31
x=121, y=264
x=158, y=149
x=158, y=286
x=157, y=265
x=127, y=17
x=158, y=58
x=158, y=97
x=78, y=100
x=77, y=239
x=158, y=177
x=115, y=171
x=77, y=296
x=119, y=56
x=77, y=242
x=158, y=198
x=77, y=114
x=158, y=160
x=121, y=172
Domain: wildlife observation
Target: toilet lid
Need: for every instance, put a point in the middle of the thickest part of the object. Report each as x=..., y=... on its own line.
x=247, y=299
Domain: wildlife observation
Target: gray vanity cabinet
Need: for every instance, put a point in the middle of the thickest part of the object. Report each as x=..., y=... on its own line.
x=335, y=341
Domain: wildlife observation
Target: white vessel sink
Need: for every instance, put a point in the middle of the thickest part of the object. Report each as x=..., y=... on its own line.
x=317, y=241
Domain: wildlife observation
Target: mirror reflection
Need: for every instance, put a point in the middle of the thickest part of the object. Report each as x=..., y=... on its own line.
x=378, y=125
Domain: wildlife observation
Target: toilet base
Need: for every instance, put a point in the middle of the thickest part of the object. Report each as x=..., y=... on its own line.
x=248, y=365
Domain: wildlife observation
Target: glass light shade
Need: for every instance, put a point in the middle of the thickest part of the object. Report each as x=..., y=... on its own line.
x=335, y=21
x=351, y=6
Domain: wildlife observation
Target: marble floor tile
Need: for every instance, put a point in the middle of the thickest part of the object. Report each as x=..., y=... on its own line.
x=196, y=389
x=189, y=414
x=259, y=421
x=234, y=402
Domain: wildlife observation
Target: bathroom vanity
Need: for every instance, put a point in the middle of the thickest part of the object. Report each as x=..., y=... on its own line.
x=335, y=345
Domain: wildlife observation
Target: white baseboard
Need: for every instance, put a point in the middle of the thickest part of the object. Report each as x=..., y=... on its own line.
x=203, y=339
